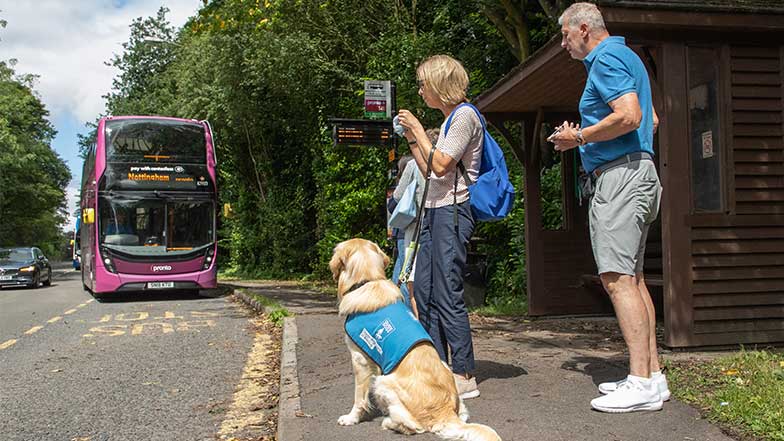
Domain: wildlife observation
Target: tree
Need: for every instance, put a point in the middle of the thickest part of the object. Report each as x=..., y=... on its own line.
x=34, y=177
x=524, y=23
x=144, y=86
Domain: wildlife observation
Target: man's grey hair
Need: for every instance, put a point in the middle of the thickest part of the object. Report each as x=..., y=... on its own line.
x=580, y=13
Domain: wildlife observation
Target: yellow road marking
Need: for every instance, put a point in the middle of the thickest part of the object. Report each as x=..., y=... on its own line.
x=110, y=330
x=131, y=318
x=187, y=326
x=243, y=412
x=33, y=330
x=139, y=328
x=89, y=301
x=105, y=318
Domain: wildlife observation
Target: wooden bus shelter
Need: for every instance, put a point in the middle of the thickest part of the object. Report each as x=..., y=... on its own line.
x=715, y=258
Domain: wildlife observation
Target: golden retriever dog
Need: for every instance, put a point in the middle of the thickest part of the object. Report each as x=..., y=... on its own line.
x=419, y=394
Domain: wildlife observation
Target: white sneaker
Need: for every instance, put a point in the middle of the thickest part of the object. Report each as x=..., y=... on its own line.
x=659, y=379
x=466, y=388
x=631, y=395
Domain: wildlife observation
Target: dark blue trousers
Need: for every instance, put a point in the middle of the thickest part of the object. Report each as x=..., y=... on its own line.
x=438, y=283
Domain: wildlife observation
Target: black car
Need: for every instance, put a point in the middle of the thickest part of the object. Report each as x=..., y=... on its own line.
x=24, y=267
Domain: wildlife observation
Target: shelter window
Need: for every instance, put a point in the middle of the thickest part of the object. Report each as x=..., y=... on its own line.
x=704, y=130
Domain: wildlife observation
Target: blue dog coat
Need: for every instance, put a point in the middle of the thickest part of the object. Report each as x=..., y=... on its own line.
x=386, y=335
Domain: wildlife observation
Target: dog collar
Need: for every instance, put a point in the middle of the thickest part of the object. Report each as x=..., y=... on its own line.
x=356, y=286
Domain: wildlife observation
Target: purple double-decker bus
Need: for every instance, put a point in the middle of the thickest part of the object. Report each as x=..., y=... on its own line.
x=149, y=203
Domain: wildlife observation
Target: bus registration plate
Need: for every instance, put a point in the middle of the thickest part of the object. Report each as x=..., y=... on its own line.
x=160, y=285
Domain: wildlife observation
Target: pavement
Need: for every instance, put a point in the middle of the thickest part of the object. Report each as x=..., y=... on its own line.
x=60, y=268
x=536, y=379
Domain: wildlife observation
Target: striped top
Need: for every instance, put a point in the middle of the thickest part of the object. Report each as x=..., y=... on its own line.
x=462, y=142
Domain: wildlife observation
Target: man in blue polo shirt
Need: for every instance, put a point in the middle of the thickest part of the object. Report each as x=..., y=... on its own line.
x=615, y=138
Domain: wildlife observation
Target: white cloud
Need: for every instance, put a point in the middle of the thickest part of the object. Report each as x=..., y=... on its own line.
x=67, y=42
x=72, y=198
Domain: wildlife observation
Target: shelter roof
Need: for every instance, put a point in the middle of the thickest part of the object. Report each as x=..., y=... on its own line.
x=750, y=6
x=550, y=79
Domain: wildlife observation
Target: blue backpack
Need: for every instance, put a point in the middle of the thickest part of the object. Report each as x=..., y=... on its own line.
x=492, y=195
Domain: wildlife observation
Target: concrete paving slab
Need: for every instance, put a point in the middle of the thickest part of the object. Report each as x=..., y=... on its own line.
x=536, y=385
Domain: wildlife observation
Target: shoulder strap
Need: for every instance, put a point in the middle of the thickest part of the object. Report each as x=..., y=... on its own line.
x=460, y=165
x=451, y=115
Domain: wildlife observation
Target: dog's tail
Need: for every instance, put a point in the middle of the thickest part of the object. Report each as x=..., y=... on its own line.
x=457, y=430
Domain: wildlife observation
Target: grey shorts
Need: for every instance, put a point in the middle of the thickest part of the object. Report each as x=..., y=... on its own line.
x=625, y=203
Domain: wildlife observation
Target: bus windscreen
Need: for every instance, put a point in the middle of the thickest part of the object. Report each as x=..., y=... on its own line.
x=156, y=226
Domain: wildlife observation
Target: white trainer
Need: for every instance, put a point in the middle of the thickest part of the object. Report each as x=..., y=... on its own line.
x=659, y=379
x=466, y=388
x=632, y=395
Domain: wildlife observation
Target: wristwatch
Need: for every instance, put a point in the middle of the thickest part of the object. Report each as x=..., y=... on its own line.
x=580, y=138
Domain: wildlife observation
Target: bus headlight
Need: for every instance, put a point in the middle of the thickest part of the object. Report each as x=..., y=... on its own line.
x=208, y=258
x=107, y=261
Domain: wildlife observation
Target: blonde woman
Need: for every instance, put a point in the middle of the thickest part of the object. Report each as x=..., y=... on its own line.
x=448, y=223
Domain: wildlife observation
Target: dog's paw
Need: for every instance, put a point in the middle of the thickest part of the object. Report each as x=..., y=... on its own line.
x=387, y=424
x=463, y=412
x=348, y=419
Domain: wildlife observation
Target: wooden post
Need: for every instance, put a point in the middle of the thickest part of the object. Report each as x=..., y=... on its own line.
x=675, y=205
x=533, y=220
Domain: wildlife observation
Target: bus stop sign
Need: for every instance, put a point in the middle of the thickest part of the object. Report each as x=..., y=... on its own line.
x=379, y=99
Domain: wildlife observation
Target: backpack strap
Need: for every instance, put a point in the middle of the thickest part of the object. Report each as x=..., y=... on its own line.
x=460, y=165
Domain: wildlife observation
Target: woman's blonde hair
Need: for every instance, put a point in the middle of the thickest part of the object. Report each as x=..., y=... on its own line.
x=446, y=77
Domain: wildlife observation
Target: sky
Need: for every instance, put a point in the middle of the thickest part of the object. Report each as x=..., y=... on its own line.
x=67, y=43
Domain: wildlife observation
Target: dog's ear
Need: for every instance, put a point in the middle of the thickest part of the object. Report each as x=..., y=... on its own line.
x=338, y=262
x=383, y=254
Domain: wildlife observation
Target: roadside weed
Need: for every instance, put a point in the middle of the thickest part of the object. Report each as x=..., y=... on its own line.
x=743, y=392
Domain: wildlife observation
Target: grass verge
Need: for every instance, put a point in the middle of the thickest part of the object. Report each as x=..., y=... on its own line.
x=274, y=311
x=504, y=306
x=743, y=393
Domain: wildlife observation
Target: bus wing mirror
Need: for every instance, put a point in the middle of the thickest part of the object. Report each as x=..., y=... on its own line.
x=88, y=215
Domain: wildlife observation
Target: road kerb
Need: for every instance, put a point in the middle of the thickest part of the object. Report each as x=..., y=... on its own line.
x=289, y=405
